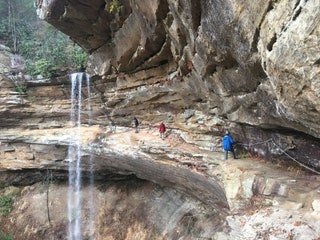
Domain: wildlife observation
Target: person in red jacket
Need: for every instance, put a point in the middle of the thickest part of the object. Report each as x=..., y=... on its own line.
x=162, y=129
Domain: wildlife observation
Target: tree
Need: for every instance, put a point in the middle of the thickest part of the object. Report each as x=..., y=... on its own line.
x=12, y=24
x=46, y=50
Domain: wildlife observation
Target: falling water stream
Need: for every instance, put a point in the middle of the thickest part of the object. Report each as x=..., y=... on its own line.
x=75, y=155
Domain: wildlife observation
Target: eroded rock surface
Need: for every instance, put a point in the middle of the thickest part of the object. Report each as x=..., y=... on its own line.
x=195, y=193
x=128, y=209
x=202, y=64
x=202, y=67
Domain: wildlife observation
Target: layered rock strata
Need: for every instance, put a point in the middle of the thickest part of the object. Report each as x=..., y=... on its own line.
x=201, y=65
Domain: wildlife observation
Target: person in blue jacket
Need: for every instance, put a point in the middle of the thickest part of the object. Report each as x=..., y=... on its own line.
x=228, y=142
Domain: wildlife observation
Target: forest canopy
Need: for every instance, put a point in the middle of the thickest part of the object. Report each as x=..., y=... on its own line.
x=45, y=50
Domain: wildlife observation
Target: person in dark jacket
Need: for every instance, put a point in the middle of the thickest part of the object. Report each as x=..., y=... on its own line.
x=228, y=142
x=136, y=123
x=162, y=130
x=113, y=126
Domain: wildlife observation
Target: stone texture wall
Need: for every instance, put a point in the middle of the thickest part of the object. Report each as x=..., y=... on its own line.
x=199, y=65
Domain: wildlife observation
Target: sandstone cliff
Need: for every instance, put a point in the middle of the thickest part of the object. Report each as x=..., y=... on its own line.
x=201, y=67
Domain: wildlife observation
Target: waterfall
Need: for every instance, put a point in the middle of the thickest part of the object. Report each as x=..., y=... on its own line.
x=75, y=155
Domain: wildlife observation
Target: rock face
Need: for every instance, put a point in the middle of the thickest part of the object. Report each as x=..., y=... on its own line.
x=119, y=212
x=199, y=65
x=36, y=134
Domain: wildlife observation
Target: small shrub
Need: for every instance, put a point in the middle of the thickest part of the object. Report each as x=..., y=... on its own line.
x=115, y=6
x=4, y=236
x=20, y=89
x=79, y=57
x=6, y=203
x=42, y=67
x=244, y=155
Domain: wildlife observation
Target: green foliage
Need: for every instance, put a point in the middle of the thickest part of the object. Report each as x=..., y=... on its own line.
x=154, y=234
x=53, y=53
x=80, y=58
x=3, y=29
x=6, y=203
x=115, y=6
x=4, y=236
x=245, y=155
x=20, y=89
x=46, y=50
x=41, y=66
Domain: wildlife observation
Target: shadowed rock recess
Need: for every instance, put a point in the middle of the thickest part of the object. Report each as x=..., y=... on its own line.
x=202, y=67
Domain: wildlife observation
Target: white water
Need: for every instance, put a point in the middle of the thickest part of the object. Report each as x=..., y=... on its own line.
x=75, y=156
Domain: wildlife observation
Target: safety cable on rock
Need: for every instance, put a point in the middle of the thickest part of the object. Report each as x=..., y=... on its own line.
x=301, y=164
x=283, y=151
